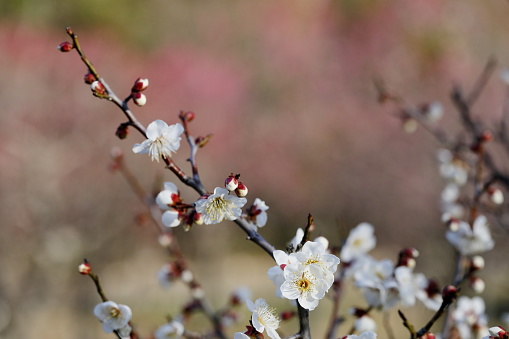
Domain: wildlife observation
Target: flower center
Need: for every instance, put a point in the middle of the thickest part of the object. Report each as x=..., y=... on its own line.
x=114, y=312
x=218, y=208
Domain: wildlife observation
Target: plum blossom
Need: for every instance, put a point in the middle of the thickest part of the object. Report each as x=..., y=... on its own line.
x=172, y=330
x=219, y=206
x=360, y=241
x=469, y=317
x=264, y=317
x=257, y=215
x=304, y=283
x=377, y=282
x=162, y=140
x=314, y=253
x=113, y=316
x=474, y=239
x=452, y=168
x=364, y=335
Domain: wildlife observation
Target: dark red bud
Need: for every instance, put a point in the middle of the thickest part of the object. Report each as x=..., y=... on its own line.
x=65, y=46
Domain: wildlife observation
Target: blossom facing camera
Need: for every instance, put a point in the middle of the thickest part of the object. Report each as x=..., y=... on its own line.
x=219, y=206
x=162, y=140
x=113, y=316
x=139, y=99
x=140, y=85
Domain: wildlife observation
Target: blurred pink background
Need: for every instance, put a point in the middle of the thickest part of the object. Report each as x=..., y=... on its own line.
x=287, y=90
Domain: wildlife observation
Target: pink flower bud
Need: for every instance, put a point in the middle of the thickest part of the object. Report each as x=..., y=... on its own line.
x=428, y=335
x=189, y=116
x=84, y=268
x=98, y=88
x=89, y=78
x=140, y=85
x=139, y=99
x=65, y=46
x=287, y=315
x=449, y=293
x=122, y=131
x=241, y=190
x=231, y=183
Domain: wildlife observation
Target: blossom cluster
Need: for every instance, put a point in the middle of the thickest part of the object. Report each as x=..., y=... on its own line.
x=305, y=275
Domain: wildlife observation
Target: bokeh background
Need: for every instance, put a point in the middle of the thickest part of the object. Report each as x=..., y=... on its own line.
x=286, y=87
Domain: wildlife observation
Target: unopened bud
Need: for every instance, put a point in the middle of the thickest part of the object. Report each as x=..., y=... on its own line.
x=84, y=268
x=409, y=125
x=98, y=88
x=122, y=131
x=232, y=182
x=65, y=46
x=189, y=116
x=432, y=111
x=202, y=141
x=287, y=315
x=498, y=332
x=139, y=99
x=187, y=276
x=477, y=284
x=197, y=218
x=409, y=252
x=453, y=224
x=241, y=190
x=486, y=136
x=477, y=263
x=165, y=240
x=140, y=85
x=428, y=335
x=449, y=293
x=496, y=195
x=89, y=78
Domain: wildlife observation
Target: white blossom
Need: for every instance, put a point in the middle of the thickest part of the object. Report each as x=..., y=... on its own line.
x=360, y=241
x=259, y=214
x=364, y=335
x=162, y=140
x=314, y=253
x=171, y=330
x=240, y=335
x=113, y=316
x=474, y=239
x=169, y=196
x=469, y=317
x=264, y=317
x=304, y=283
x=219, y=206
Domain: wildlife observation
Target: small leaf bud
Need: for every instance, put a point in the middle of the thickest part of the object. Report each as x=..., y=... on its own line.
x=84, y=268
x=241, y=190
x=232, y=182
x=65, y=46
x=122, y=131
x=89, y=78
x=139, y=99
x=140, y=85
x=98, y=88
